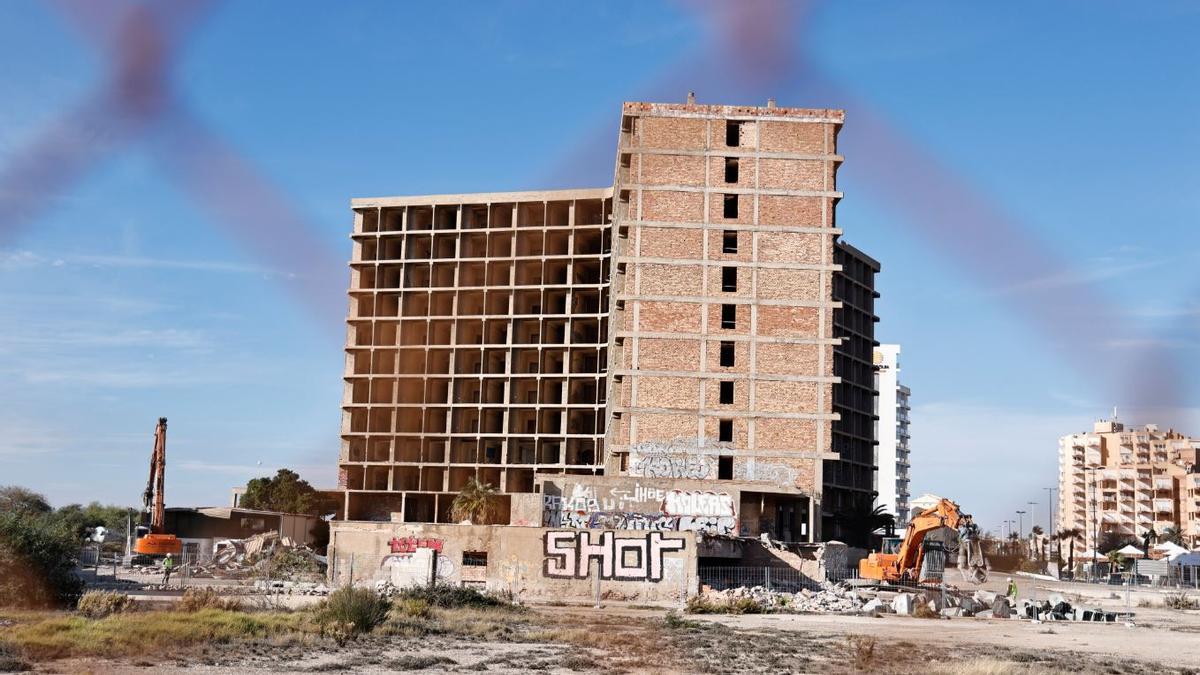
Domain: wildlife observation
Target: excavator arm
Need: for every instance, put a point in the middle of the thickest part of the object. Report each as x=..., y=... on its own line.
x=906, y=563
x=157, y=542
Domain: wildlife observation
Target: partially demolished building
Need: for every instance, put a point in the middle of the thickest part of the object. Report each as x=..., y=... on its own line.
x=684, y=351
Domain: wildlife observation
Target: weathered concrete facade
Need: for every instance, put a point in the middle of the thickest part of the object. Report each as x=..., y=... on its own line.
x=673, y=334
x=529, y=562
x=721, y=365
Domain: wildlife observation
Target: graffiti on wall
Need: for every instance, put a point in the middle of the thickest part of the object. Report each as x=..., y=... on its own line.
x=411, y=544
x=675, y=458
x=642, y=508
x=697, y=503
x=569, y=555
x=752, y=469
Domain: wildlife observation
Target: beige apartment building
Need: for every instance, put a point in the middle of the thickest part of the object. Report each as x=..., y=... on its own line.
x=1127, y=481
x=696, y=321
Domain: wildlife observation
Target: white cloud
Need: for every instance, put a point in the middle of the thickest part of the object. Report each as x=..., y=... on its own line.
x=1089, y=272
x=19, y=260
x=69, y=334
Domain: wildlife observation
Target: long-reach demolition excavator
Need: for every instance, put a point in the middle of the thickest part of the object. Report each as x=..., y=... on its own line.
x=921, y=557
x=157, y=542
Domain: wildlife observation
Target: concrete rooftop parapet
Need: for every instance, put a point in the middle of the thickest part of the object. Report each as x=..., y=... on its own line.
x=827, y=115
x=483, y=197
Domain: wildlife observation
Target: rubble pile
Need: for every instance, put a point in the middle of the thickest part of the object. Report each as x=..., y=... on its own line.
x=263, y=554
x=841, y=599
x=829, y=599
x=920, y=602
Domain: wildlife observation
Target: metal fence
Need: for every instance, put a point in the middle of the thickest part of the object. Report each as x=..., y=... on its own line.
x=101, y=569
x=777, y=578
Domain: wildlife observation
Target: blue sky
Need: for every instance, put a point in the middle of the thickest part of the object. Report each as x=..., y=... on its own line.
x=125, y=299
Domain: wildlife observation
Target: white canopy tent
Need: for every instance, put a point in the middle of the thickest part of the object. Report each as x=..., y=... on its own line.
x=1131, y=551
x=1169, y=550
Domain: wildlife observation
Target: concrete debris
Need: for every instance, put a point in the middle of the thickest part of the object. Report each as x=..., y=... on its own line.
x=291, y=588
x=903, y=604
x=1001, y=609
x=842, y=599
x=953, y=603
x=830, y=599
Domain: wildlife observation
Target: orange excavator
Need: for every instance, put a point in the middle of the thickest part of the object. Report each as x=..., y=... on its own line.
x=157, y=542
x=921, y=557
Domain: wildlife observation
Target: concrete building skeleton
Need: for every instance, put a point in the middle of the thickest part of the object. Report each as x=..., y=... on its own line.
x=678, y=325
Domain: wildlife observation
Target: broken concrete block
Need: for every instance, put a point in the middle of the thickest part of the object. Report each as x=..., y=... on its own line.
x=873, y=606
x=1001, y=609
x=903, y=604
x=951, y=612
x=985, y=597
x=984, y=614
x=970, y=605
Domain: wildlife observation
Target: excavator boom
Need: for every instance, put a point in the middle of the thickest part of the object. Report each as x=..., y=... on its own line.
x=157, y=542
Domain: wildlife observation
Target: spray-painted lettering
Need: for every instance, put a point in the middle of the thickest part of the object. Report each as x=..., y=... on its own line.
x=569, y=555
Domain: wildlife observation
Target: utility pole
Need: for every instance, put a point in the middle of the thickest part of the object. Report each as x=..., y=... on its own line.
x=1052, y=526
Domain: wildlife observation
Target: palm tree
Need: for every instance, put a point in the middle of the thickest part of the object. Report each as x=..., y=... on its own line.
x=1037, y=543
x=1069, y=535
x=860, y=522
x=1173, y=535
x=475, y=503
x=1116, y=559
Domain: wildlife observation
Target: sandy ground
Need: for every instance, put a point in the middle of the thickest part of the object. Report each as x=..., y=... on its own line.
x=622, y=638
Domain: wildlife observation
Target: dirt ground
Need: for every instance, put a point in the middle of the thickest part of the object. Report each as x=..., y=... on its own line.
x=617, y=639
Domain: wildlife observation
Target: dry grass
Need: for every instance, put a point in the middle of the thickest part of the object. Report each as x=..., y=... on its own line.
x=1180, y=601
x=57, y=636
x=99, y=604
x=862, y=651
x=196, y=599
x=992, y=666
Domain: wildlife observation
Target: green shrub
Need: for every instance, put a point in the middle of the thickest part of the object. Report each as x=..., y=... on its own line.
x=291, y=564
x=349, y=611
x=413, y=607
x=1180, y=601
x=196, y=599
x=37, y=562
x=702, y=605
x=447, y=596
x=923, y=610
x=99, y=604
x=673, y=620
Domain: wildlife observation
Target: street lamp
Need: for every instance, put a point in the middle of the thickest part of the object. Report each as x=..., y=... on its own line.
x=1020, y=524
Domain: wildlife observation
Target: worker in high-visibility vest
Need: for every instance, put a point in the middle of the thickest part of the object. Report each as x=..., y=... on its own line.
x=168, y=565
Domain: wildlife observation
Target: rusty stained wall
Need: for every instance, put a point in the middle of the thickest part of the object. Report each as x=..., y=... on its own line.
x=529, y=562
x=677, y=251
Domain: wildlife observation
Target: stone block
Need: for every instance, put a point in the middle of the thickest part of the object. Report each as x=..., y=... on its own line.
x=903, y=604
